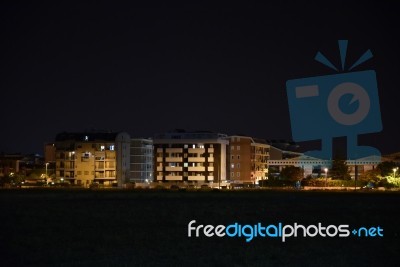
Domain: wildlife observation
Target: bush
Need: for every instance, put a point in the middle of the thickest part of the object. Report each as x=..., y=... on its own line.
x=130, y=185
x=392, y=182
x=275, y=183
x=322, y=182
x=159, y=187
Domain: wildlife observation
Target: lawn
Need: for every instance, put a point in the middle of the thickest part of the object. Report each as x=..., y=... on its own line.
x=150, y=228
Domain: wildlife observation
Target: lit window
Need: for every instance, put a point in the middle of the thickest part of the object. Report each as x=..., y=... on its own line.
x=232, y=166
x=86, y=138
x=102, y=148
x=111, y=147
x=185, y=146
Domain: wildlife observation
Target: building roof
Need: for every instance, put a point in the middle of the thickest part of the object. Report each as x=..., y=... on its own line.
x=87, y=136
x=182, y=134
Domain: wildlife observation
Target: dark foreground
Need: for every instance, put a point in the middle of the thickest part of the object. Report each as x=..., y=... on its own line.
x=149, y=228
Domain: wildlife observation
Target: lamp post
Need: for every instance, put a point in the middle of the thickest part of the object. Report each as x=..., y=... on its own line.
x=46, y=168
x=394, y=171
x=326, y=175
x=47, y=163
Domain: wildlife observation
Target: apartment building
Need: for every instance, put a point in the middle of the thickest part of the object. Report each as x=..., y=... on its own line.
x=248, y=159
x=141, y=160
x=190, y=157
x=93, y=157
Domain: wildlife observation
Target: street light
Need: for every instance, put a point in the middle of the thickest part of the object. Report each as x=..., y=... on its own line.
x=47, y=163
x=394, y=171
x=326, y=175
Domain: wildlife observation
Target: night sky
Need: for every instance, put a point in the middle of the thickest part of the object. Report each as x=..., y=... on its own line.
x=151, y=69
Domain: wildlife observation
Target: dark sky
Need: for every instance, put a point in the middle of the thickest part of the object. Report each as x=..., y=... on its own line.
x=151, y=69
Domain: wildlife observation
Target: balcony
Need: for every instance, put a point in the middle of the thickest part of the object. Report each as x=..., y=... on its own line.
x=173, y=169
x=159, y=159
x=159, y=178
x=210, y=150
x=197, y=169
x=100, y=154
x=160, y=168
x=106, y=178
x=174, y=150
x=109, y=168
x=210, y=159
x=210, y=178
x=210, y=169
x=197, y=178
x=196, y=159
x=196, y=150
x=173, y=178
x=173, y=159
x=159, y=150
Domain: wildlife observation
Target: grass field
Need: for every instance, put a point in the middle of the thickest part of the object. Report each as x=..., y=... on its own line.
x=149, y=228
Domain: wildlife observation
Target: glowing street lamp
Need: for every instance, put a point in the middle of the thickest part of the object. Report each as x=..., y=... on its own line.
x=394, y=171
x=326, y=175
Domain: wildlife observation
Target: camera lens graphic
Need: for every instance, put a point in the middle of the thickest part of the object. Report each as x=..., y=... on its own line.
x=359, y=94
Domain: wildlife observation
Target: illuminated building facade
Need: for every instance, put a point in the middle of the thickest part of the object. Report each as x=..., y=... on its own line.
x=190, y=157
x=141, y=162
x=248, y=159
x=86, y=158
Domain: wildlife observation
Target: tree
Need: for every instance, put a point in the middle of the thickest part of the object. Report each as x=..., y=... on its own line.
x=6, y=179
x=12, y=178
x=340, y=170
x=370, y=176
x=292, y=173
x=386, y=168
